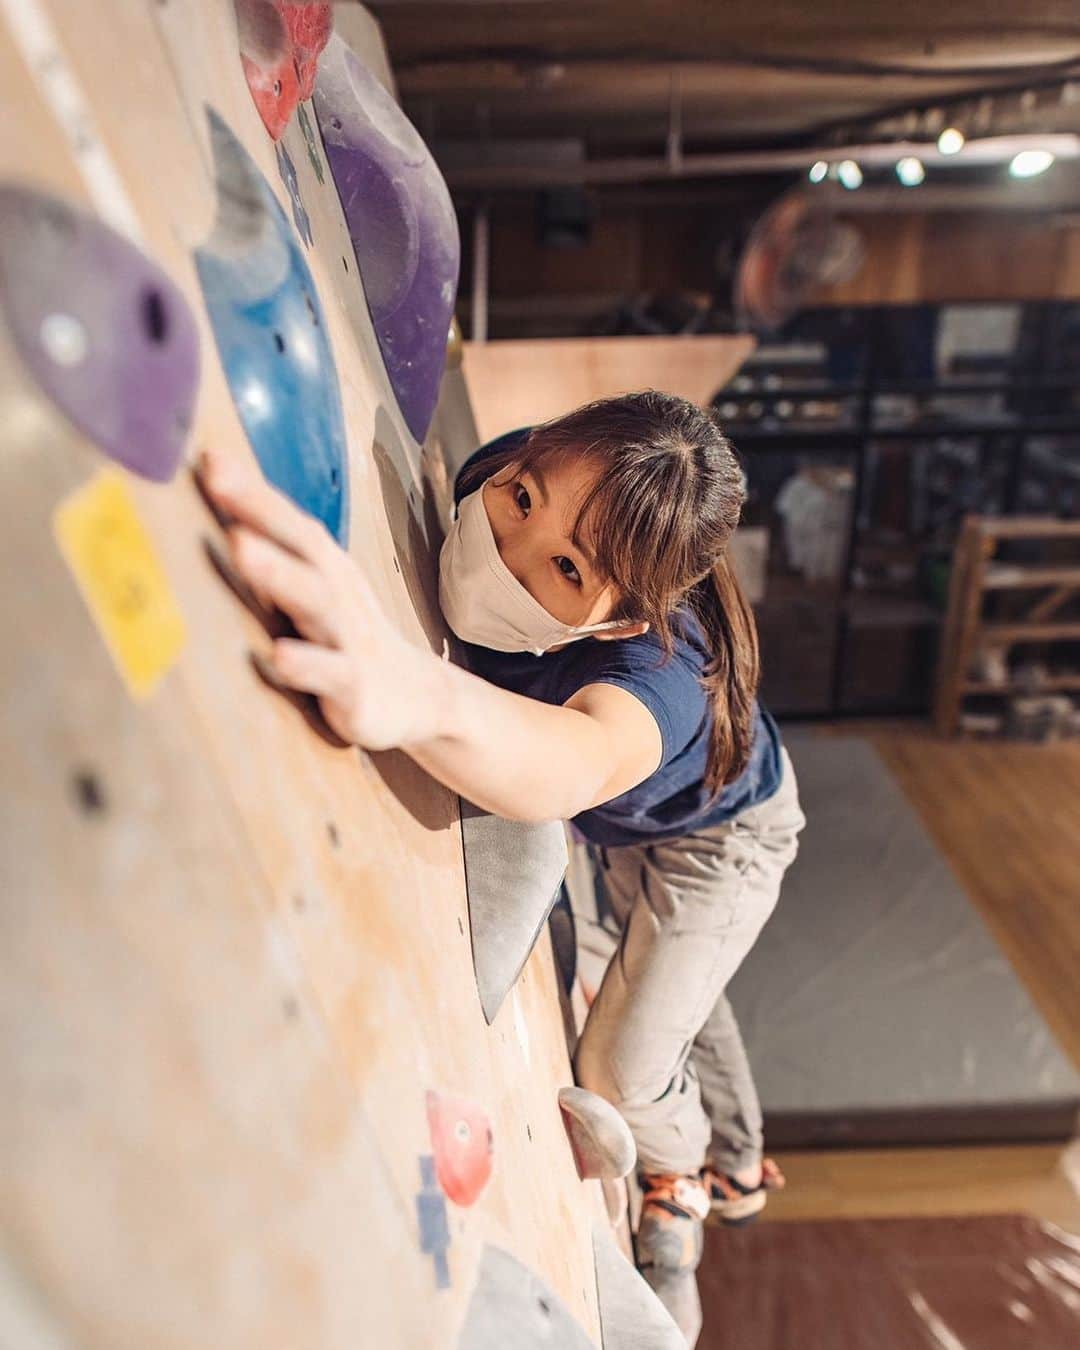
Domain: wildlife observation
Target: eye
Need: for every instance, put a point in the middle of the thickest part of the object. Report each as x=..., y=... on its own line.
x=522, y=498
x=569, y=571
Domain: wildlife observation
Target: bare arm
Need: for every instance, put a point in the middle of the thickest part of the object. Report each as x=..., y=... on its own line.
x=511, y=755
x=528, y=760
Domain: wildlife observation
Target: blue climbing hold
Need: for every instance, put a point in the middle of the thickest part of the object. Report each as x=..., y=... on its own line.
x=271, y=337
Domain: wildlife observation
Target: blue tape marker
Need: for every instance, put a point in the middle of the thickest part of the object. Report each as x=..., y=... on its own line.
x=433, y=1221
x=287, y=169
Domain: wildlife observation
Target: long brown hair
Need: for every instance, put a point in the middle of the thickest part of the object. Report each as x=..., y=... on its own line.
x=662, y=511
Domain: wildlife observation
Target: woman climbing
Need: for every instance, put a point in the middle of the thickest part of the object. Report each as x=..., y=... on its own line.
x=613, y=672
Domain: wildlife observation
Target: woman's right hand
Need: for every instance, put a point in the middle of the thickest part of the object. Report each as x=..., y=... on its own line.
x=374, y=688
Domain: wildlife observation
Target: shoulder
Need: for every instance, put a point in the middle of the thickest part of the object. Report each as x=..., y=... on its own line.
x=668, y=685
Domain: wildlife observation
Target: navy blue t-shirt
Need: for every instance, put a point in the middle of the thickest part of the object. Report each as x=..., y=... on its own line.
x=673, y=800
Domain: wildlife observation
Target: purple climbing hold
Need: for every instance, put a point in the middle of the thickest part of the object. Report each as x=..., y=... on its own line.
x=401, y=222
x=103, y=331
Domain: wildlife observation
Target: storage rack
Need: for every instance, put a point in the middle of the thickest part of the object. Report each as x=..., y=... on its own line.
x=1031, y=396
x=975, y=575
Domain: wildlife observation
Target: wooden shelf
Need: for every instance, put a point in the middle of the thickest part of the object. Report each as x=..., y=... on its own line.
x=1030, y=632
x=1017, y=576
x=890, y=611
x=973, y=575
x=1053, y=684
x=1026, y=527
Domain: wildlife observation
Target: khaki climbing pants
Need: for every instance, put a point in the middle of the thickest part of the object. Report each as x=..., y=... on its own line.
x=674, y=921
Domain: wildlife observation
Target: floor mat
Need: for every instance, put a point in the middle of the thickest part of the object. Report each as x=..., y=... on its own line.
x=875, y=1006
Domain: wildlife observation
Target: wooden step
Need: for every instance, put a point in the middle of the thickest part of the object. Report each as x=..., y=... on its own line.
x=1030, y=632
x=1014, y=576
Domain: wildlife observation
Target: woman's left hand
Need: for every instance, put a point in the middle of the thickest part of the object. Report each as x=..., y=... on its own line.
x=374, y=687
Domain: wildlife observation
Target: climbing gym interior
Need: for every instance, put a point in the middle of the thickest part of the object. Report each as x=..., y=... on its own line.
x=288, y=1023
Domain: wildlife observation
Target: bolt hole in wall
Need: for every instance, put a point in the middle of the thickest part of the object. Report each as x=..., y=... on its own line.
x=89, y=792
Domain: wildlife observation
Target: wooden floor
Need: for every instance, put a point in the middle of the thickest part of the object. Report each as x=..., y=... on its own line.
x=1007, y=817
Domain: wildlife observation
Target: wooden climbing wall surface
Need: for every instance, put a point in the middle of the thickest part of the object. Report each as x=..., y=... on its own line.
x=521, y=381
x=233, y=959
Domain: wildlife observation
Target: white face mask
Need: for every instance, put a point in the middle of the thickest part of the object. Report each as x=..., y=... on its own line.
x=482, y=600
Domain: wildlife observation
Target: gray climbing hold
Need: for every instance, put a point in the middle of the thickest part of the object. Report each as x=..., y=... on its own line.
x=511, y=1308
x=513, y=871
x=677, y=1293
x=632, y=1317
x=602, y=1143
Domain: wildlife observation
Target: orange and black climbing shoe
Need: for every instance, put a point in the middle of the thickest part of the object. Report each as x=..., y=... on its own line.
x=734, y=1204
x=670, y=1233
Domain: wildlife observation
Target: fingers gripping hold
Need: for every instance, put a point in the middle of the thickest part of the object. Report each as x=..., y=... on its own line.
x=286, y=582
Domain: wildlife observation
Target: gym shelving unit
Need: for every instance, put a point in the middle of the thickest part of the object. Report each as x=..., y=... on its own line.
x=861, y=390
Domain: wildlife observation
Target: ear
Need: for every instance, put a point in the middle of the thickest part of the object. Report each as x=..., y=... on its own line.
x=626, y=630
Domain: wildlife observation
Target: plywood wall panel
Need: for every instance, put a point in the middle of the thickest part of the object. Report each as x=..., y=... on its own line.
x=517, y=383
x=936, y=257
x=225, y=995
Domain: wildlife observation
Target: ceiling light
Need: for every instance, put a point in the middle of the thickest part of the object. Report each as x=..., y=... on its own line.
x=849, y=174
x=1028, y=163
x=819, y=171
x=951, y=141
x=910, y=171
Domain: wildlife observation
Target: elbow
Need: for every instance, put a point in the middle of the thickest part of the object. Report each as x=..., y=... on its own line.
x=529, y=815
x=546, y=812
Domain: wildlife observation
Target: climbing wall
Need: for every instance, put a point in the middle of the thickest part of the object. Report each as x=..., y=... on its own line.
x=248, y=1096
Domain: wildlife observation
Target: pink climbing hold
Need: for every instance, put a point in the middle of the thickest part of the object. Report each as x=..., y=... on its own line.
x=280, y=43
x=463, y=1145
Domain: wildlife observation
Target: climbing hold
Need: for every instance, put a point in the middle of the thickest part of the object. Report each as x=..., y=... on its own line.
x=434, y=1225
x=601, y=1140
x=271, y=337
x=676, y=1291
x=266, y=55
x=103, y=331
x=116, y=567
x=280, y=42
x=631, y=1315
x=511, y=1306
x=563, y=931
x=310, y=23
x=287, y=170
x=463, y=1144
x=513, y=871
x=454, y=350
x=401, y=222
x=311, y=141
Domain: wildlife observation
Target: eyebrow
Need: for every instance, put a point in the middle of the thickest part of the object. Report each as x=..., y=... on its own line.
x=535, y=472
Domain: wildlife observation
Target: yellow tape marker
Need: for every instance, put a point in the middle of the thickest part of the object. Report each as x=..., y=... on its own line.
x=117, y=570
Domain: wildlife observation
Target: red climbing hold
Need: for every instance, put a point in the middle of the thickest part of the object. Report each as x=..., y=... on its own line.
x=462, y=1142
x=280, y=42
x=310, y=26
